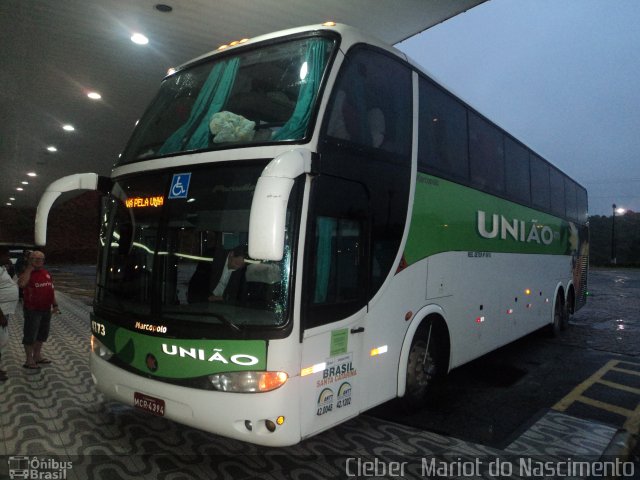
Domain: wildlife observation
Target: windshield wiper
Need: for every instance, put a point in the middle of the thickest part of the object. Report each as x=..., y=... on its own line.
x=222, y=318
x=228, y=322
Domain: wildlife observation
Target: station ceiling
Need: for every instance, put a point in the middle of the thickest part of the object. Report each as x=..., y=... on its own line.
x=55, y=52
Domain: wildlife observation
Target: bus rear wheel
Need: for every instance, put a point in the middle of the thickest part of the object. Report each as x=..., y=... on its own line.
x=559, y=314
x=422, y=369
x=569, y=307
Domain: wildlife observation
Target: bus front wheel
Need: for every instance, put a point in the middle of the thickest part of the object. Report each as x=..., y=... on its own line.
x=422, y=368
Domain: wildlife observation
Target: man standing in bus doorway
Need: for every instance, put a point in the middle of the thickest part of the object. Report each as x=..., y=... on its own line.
x=8, y=302
x=39, y=302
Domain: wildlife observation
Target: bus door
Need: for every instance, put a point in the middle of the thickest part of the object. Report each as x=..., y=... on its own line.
x=334, y=302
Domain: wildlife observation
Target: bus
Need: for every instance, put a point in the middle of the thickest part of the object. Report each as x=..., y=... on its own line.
x=393, y=232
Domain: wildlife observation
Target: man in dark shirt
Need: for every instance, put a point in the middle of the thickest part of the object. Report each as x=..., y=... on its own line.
x=219, y=280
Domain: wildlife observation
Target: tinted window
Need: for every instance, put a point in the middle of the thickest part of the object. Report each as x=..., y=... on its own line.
x=164, y=256
x=371, y=104
x=518, y=176
x=263, y=95
x=539, y=182
x=582, y=205
x=570, y=199
x=442, y=133
x=486, y=155
x=336, y=265
x=556, y=184
x=337, y=273
x=373, y=90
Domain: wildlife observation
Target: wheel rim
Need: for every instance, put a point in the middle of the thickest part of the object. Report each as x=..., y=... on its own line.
x=420, y=370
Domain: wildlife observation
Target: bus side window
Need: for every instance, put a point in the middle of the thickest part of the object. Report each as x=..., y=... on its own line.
x=337, y=260
x=540, y=186
x=371, y=106
x=336, y=265
x=443, y=141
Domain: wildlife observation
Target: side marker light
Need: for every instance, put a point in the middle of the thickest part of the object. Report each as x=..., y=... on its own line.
x=378, y=350
x=318, y=367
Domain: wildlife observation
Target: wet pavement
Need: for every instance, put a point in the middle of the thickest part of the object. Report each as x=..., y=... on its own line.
x=590, y=371
x=611, y=320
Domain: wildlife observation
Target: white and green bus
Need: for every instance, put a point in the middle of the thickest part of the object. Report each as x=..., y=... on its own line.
x=393, y=232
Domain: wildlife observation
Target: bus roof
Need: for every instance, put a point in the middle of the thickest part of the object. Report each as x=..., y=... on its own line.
x=349, y=35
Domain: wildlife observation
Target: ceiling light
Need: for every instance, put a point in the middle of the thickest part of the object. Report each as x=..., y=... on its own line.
x=24, y=183
x=139, y=39
x=51, y=148
x=32, y=174
x=68, y=128
x=12, y=198
x=94, y=95
x=161, y=7
x=20, y=189
x=8, y=204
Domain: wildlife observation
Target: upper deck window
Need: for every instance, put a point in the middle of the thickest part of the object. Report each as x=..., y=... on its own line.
x=371, y=103
x=260, y=95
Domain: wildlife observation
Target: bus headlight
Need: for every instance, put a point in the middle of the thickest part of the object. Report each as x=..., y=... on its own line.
x=99, y=349
x=248, y=382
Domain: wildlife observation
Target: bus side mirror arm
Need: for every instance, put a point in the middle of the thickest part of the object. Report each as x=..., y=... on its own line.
x=269, y=206
x=79, y=181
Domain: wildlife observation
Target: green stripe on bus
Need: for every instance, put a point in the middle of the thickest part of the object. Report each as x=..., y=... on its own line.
x=451, y=217
x=180, y=358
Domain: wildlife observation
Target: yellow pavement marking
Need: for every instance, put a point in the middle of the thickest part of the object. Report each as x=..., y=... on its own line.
x=573, y=395
x=625, y=412
x=624, y=370
x=632, y=424
x=619, y=386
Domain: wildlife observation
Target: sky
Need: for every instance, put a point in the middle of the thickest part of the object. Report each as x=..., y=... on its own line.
x=562, y=76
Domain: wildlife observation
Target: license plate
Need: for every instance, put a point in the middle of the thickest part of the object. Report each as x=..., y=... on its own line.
x=148, y=404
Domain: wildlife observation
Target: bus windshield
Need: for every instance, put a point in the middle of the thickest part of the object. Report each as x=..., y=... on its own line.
x=167, y=238
x=260, y=95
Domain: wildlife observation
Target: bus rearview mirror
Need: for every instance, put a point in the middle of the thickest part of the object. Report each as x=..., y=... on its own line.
x=268, y=216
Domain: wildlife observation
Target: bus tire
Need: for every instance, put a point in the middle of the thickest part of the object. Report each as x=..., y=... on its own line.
x=568, y=309
x=559, y=313
x=423, y=368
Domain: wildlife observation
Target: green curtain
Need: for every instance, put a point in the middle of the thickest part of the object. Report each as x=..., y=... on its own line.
x=297, y=124
x=194, y=133
x=326, y=232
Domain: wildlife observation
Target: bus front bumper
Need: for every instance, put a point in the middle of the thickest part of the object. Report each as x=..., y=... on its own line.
x=242, y=416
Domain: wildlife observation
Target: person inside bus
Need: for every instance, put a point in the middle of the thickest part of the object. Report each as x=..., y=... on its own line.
x=219, y=280
x=229, y=277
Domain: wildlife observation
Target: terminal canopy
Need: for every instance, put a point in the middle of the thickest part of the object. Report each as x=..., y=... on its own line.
x=390, y=20
x=55, y=53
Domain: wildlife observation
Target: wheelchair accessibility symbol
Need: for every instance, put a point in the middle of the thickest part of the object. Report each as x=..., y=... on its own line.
x=179, y=185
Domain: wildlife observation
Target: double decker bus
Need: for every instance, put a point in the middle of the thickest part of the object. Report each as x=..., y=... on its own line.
x=393, y=232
